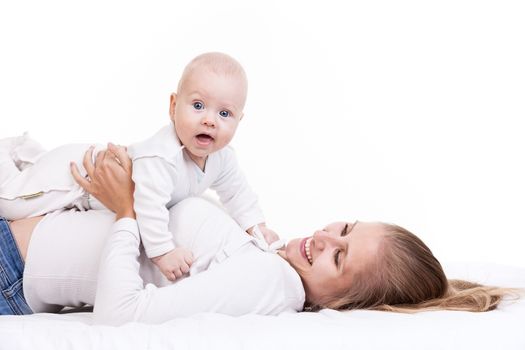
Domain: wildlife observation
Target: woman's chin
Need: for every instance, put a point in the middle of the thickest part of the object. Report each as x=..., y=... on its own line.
x=292, y=246
x=293, y=254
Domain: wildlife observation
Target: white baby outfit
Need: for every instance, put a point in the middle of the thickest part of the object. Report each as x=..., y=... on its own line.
x=163, y=173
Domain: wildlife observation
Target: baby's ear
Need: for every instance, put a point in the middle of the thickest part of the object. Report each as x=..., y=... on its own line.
x=173, y=102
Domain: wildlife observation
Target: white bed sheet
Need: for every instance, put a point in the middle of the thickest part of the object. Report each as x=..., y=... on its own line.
x=503, y=328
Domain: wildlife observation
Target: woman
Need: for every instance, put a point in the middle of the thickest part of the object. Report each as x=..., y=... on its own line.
x=343, y=266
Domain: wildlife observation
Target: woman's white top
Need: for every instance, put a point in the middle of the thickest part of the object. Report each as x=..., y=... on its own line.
x=231, y=274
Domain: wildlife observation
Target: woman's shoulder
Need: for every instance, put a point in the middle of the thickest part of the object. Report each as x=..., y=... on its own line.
x=273, y=275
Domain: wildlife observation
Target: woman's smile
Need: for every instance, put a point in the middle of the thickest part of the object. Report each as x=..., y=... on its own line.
x=302, y=248
x=307, y=250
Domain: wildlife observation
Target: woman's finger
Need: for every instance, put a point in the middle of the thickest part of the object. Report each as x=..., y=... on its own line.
x=85, y=184
x=87, y=161
x=107, y=157
x=121, y=154
x=100, y=158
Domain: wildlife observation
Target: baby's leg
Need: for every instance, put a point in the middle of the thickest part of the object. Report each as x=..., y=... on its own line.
x=26, y=151
x=16, y=152
x=21, y=150
x=45, y=186
x=8, y=169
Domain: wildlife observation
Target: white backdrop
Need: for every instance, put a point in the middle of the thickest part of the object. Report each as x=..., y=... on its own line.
x=401, y=111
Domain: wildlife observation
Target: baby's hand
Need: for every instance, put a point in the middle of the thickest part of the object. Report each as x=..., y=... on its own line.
x=269, y=235
x=174, y=263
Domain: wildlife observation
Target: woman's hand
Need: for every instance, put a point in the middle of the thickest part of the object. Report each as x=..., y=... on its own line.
x=109, y=179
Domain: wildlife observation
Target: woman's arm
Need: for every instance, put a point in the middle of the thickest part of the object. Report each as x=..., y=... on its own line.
x=230, y=288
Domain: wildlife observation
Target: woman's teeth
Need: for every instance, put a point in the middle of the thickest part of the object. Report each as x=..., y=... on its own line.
x=307, y=250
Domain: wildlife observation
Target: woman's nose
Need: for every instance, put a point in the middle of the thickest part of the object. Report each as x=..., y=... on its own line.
x=323, y=238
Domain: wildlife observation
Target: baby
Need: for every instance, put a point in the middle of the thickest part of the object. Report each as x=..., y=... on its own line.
x=182, y=159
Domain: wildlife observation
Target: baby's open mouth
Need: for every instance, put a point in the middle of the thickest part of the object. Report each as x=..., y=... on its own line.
x=204, y=138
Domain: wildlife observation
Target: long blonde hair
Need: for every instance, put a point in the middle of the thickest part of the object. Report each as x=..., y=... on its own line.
x=406, y=277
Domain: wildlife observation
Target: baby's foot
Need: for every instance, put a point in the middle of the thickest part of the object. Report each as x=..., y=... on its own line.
x=7, y=144
x=26, y=151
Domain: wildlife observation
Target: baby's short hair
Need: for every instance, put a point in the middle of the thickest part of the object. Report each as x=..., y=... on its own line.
x=216, y=62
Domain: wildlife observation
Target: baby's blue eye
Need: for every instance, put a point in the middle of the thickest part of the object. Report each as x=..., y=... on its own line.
x=198, y=105
x=224, y=114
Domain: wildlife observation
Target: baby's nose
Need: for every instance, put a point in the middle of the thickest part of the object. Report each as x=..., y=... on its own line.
x=208, y=120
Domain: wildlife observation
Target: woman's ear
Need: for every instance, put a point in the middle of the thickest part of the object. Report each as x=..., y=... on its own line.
x=173, y=102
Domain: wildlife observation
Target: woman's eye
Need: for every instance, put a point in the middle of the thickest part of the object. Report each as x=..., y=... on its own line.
x=336, y=257
x=198, y=105
x=224, y=114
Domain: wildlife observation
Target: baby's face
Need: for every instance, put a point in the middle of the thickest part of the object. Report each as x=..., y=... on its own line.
x=207, y=111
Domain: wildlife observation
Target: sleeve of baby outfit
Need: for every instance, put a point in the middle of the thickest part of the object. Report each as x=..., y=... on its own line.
x=235, y=193
x=154, y=181
x=248, y=282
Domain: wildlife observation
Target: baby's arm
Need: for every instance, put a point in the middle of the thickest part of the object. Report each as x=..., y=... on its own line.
x=238, y=197
x=154, y=179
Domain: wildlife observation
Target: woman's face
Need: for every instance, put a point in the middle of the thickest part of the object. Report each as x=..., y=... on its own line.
x=328, y=260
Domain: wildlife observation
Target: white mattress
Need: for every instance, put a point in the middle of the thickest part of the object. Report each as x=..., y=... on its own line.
x=503, y=328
